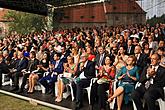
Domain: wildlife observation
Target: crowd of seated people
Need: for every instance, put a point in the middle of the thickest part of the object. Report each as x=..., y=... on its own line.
x=74, y=56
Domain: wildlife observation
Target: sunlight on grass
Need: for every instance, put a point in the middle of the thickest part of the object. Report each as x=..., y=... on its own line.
x=11, y=103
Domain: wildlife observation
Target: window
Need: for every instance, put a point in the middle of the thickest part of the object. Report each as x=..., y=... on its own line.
x=81, y=17
x=66, y=17
x=92, y=17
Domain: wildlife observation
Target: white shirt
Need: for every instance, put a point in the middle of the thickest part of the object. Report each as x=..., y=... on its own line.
x=82, y=76
x=57, y=62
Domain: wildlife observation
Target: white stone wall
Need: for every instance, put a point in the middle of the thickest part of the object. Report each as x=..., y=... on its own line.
x=153, y=7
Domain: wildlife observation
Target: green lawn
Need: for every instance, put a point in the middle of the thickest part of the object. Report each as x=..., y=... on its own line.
x=11, y=103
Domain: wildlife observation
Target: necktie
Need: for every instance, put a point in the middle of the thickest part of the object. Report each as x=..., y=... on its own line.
x=101, y=58
x=129, y=48
x=20, y=62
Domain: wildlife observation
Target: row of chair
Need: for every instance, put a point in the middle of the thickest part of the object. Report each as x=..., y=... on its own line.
x=7, y=81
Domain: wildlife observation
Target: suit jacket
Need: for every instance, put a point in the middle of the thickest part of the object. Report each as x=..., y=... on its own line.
x=158, y=80
x=64, y=59
x=59, y=69
x=97, y=59
x=142, y=61
x=131, y=51
x=4, y=68
x=89, y=70
x=21, y=64
x=13, y=63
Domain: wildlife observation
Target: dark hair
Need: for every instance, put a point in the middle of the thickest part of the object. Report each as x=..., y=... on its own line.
x=33, y=53
x=58, y=54
x=161, y=49
x=145, y=43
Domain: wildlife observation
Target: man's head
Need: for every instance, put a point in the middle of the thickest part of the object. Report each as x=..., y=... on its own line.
x=57, y=56
x=129, y=43
x=84, y=57
x=101, y=50
x=32, y=54
x=20, y=55
x=155, y=59
x=5, y=53
x=138, y=49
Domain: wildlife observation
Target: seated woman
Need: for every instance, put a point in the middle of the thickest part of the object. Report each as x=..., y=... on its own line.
x=34, y=76
x=69, y=68
x=109, y=75
x=127, y=76
x=105, y=76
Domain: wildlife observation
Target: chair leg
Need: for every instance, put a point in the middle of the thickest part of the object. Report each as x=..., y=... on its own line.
x=71, y=89
x=89, y=95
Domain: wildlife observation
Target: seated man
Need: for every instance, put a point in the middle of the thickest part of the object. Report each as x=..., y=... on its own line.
x=17, y=72
x=32, y=65
x=84, y=74
x=3, y=69
x=151, y=84
x=55, y=68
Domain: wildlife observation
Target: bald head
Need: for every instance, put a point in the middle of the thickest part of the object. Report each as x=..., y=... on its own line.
x=138, y=49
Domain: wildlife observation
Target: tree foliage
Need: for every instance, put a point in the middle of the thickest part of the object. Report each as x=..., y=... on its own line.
x=155, y=20
x=24, y=23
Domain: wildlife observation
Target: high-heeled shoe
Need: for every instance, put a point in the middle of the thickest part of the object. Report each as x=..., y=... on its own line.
x=58, y=99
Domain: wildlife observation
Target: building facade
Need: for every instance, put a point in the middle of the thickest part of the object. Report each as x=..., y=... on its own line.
x=111, y=13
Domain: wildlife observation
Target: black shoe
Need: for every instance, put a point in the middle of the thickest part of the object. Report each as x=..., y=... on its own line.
x=14, y=89
x=19, y=91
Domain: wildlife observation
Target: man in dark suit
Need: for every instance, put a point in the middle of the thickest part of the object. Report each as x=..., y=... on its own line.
x=151, y=84
x=130, y=47
x=16, y=73
x=55, y=68
x=64, y=54
x=32, y=65
x=84, y=74
x=141, y=58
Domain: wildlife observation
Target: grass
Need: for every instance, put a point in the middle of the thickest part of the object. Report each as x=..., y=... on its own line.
x=11, y=103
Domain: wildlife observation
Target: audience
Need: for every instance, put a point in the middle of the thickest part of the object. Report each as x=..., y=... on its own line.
x=95, y=45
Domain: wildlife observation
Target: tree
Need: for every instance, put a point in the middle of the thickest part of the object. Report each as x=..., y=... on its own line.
x=24, y=23
x=155, y=20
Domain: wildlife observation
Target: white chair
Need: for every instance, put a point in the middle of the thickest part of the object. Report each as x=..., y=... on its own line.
x=93, y=80
x=6, y=80
x=88, y=89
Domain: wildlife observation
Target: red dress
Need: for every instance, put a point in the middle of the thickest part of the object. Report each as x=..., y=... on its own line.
x=91, y=57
